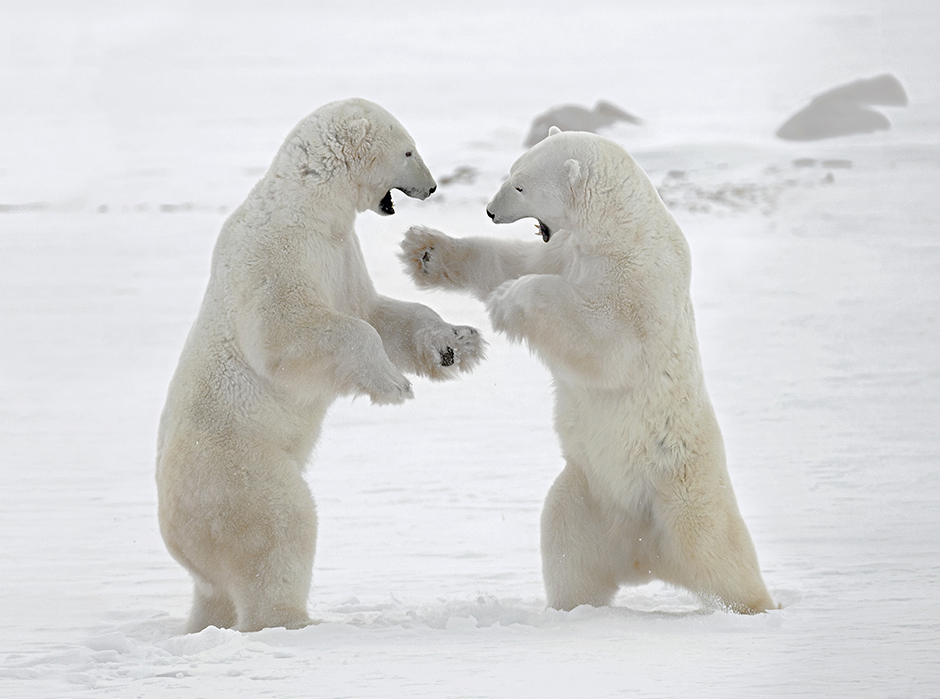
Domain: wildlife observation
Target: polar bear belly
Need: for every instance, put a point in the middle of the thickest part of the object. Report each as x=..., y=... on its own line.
x=607, y=437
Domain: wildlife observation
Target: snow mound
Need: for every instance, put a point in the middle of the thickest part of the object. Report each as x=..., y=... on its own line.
x=573, y=117
x=844, y=110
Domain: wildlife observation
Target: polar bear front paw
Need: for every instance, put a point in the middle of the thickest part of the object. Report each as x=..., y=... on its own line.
x=424, y=251
x=389, y=389
x=506, y=309
x=447, y=349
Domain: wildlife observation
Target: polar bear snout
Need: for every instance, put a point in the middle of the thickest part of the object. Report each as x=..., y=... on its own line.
x=416, y=181
x=500, y=218
x=418, y=192
x=422, y=194
x=503, y=217
x=505, y=206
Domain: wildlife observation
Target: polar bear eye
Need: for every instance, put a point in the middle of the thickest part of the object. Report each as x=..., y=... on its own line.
x=408, y=154
x=518, y=189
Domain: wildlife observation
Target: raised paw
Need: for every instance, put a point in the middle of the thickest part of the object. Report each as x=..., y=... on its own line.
x=389, y=388
x=424, y=252
x=506, y=310
x=448, y=349
x=447, y=357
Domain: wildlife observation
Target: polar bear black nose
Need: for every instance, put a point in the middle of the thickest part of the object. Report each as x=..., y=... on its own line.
x=491, y=214
x=432, y=190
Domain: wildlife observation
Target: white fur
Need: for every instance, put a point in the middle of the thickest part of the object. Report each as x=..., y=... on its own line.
x=605, y=304
x=290, y=320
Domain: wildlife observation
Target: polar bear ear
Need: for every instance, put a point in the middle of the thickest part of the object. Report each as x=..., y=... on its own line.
x=574, y=170
x=357, y=133
x=552, y=130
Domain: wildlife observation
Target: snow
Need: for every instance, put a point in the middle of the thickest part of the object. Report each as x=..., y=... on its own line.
x=131, y=130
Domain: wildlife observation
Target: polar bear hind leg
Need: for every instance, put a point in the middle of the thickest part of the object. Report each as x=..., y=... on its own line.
x=273, y=591
x=253, y=591
x=708, y=550
x=211, y=607
x=251, y=560
x=589, y=549
x=271, y=574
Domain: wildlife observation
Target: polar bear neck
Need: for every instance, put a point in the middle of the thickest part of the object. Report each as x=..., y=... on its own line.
x=312, y=166
x=624, y=219
x=289, y=200
x=616, y=208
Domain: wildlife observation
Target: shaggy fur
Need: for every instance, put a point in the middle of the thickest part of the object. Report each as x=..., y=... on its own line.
x=605, y=303
x=290, y=321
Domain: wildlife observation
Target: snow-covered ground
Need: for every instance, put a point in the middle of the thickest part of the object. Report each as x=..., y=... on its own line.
x=128, y=133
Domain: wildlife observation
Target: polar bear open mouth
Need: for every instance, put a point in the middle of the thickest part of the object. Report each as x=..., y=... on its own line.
x=386, y=205
x=544, y=231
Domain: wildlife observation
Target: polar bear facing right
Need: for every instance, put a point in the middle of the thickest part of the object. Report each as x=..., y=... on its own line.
x=289, y=322
x=605, y=303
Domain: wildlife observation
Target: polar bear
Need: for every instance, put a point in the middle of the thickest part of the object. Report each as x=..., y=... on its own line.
x=290, y=320
x=605, y=303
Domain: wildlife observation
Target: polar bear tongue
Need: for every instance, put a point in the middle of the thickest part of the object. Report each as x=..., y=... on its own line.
x=544, y=231
x=386, y=204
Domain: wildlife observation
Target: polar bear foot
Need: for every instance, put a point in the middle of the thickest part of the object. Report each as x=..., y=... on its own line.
x=287, y=618
x=425, y=252
x=389, y=390
x=211, y=607
x=447, y=349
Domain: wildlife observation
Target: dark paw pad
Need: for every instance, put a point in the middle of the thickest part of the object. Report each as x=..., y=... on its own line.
x=447, y=357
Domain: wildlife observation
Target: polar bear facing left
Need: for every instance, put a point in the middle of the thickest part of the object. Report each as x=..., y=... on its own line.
x=605, y=302
x=290, y=320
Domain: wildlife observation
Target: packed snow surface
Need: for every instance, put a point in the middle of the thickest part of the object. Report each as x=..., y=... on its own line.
x=130, y=132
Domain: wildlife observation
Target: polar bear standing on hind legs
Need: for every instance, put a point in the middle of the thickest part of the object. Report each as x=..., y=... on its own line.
x=605, y=303
x=290, y=321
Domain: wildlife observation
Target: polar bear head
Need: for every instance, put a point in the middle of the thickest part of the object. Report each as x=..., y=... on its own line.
x=539, y=186
x=579, y=182
x=358, y=149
